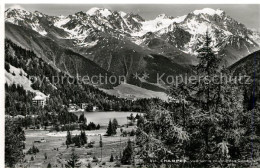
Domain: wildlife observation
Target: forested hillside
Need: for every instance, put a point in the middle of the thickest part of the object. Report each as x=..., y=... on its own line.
x=61, y=93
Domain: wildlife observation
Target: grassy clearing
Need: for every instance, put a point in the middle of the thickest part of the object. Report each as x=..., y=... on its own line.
x=57, y=152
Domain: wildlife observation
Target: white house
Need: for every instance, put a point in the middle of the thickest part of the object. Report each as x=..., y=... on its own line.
x=39, y=100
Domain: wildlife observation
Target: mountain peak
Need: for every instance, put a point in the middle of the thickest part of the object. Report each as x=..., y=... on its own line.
x=122, y=14
x=162, y=16
x=103, y=11
x=208, y=11
x=17, y=11
x=40, y=14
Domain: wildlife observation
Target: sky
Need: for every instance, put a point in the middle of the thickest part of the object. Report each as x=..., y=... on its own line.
x=246, y=14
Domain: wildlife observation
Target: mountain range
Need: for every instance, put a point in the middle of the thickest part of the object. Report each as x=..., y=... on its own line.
x=115, y=42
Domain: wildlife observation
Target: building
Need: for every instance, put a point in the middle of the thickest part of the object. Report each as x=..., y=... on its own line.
x=74, y=108
x=39, y=101
x=95, y=108
x=83, y=105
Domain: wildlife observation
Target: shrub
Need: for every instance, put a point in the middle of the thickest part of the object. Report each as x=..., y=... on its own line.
x=118, y=164
x=33, y=150
x=95, y=159
x=111, y=158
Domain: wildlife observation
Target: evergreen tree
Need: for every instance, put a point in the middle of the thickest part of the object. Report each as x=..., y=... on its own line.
x=68, y=138
x=208, y=61
x=140, y=121
x=82, y=119
x=83, y=136
x=14, y=141
x=111, y=158
x=127, y=154
x=115, y=123
x=49, y=165
x=205, y=119
x=73, y=161
x=110, y=129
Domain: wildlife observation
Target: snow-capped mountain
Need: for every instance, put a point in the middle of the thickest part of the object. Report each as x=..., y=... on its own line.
x=22, y=17
x=230, y=39
x=186, y=33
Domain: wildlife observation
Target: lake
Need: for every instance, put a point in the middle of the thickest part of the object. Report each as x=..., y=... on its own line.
x=102, y=118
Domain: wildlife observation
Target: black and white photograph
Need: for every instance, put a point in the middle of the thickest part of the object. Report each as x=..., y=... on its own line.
x=131, y=85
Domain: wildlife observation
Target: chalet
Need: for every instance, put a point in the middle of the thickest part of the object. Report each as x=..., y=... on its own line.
x=74, y=108
x=83, y=105
x=39, y=100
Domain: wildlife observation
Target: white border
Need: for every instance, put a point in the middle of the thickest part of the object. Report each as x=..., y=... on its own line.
x=134, y=2
x=2, y=8
x=2, y=93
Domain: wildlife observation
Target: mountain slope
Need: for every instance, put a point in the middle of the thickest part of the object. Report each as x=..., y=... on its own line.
x=231, y=39
x=249, y=65
x=114, y=42
x=58, y=56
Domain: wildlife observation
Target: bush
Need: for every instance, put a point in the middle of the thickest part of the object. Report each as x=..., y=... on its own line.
x=90, y=145
x=124, y=133
x=118, y=164
x=132, y=133
x=33, y=150
x=111, y=158
x=95, y=159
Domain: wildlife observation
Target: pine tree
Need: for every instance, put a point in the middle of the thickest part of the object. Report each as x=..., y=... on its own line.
x=205, y=120
x=83, y=137
x=68, y=138
x=208, y=61
x=73, y=161
x=115, y=123
x=110, y=129
x=49, y=165
x=82, y=119
x=14, y=141
x=111, y=158
x=127, y=154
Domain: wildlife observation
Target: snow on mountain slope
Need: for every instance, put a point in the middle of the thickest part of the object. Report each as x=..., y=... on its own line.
x=185, y=33
x=208, y=11
x=20, y=16
x=99, y=11
x=20, y=78
x=160, y=22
